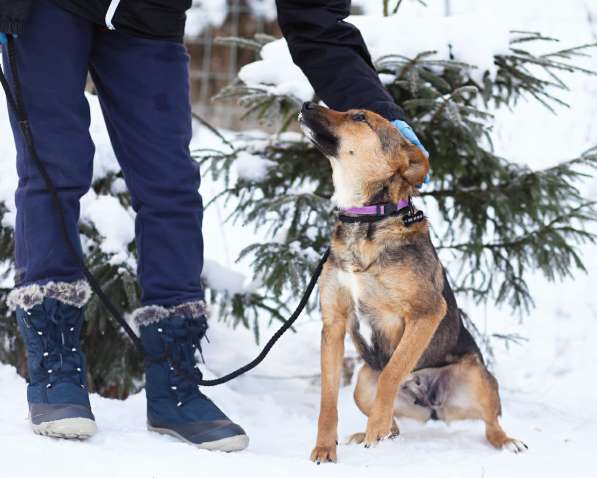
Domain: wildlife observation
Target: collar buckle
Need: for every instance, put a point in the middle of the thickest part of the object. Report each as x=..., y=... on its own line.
x=389, y=209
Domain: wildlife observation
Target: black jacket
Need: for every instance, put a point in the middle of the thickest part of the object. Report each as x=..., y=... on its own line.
x=333, y=55
x=163, y=19
x=330, y=51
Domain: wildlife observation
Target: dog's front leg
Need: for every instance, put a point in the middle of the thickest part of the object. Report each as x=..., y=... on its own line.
x=332, y=354
x=417, y=334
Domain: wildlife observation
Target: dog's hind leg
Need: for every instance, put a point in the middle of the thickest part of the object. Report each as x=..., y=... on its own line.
x=364, y=397
x=471, y=392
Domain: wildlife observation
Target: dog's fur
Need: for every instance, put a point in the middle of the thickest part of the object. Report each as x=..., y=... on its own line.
x=421, y=362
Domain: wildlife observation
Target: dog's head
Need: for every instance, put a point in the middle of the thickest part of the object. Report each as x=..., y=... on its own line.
x=371, y=161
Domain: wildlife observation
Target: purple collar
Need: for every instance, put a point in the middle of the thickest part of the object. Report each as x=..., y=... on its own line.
x=377, y=209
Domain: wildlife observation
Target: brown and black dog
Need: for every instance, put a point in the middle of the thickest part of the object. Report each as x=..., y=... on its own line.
x=421, y=362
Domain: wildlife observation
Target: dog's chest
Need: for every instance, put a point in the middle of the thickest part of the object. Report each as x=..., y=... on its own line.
x=350, y=280
x=369, y=309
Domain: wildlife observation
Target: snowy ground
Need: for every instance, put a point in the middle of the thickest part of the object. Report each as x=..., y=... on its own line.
x=547, y=388
x=547, y=383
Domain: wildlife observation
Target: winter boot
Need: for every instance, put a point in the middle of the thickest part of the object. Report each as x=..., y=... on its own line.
x=175, y=406
x=57, y=391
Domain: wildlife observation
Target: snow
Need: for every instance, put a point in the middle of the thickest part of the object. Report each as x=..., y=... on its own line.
x=104, y=161
x=224, y=279
x=546, y=390
x=114, y=223
x=547, y=385
x=203, y=14
x=263, y=8
x=276, y=73
x=467, y=37
x=252, y=167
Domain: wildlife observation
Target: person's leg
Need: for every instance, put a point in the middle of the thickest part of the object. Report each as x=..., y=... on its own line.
x=52, y=56
x=143, y=86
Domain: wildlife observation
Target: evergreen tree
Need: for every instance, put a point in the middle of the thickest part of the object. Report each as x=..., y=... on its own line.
x=502, y=220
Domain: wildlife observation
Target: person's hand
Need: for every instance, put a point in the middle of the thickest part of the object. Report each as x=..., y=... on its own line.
x=409, y=134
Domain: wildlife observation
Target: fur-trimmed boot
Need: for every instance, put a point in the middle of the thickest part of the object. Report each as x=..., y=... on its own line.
x=175, y=406
x=49, y=318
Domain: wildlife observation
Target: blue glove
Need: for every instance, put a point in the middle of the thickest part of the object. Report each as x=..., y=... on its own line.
x=409, y=134
x=4, y=38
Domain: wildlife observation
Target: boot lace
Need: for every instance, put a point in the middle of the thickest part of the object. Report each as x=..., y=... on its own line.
x=57, y=329
x=181, y=343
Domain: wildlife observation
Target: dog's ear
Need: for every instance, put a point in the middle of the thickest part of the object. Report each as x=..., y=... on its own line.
x=416, y=164
x=411, y=162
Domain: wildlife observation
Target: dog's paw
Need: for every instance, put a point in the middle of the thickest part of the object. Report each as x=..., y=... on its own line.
x=515, y=446
x=359, y=438
x=356, y=438
x=324, y=454
x=379, y=429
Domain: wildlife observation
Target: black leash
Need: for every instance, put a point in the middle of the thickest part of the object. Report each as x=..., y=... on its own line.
x=16, y=104
x=271, y=342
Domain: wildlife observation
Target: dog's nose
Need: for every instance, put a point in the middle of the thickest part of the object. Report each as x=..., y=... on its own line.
x=309, y=105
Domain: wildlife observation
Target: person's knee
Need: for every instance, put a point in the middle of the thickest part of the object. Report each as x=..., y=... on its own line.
x=173, y=195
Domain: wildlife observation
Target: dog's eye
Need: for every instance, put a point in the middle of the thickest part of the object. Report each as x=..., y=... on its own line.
x=359, y=117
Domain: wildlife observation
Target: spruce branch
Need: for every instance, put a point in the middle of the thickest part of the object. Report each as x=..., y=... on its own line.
x=505, y=220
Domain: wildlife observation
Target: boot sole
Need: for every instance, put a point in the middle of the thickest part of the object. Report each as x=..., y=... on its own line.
x=230, y=444
x=71, y=428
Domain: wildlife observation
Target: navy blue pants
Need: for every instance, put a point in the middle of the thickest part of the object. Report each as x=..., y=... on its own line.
x=143, y=87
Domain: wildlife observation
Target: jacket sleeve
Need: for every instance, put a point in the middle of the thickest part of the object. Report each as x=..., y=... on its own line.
x=333, y=56
x=13, y=15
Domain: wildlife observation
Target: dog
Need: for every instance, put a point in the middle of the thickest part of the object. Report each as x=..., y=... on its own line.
x=384, y=273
